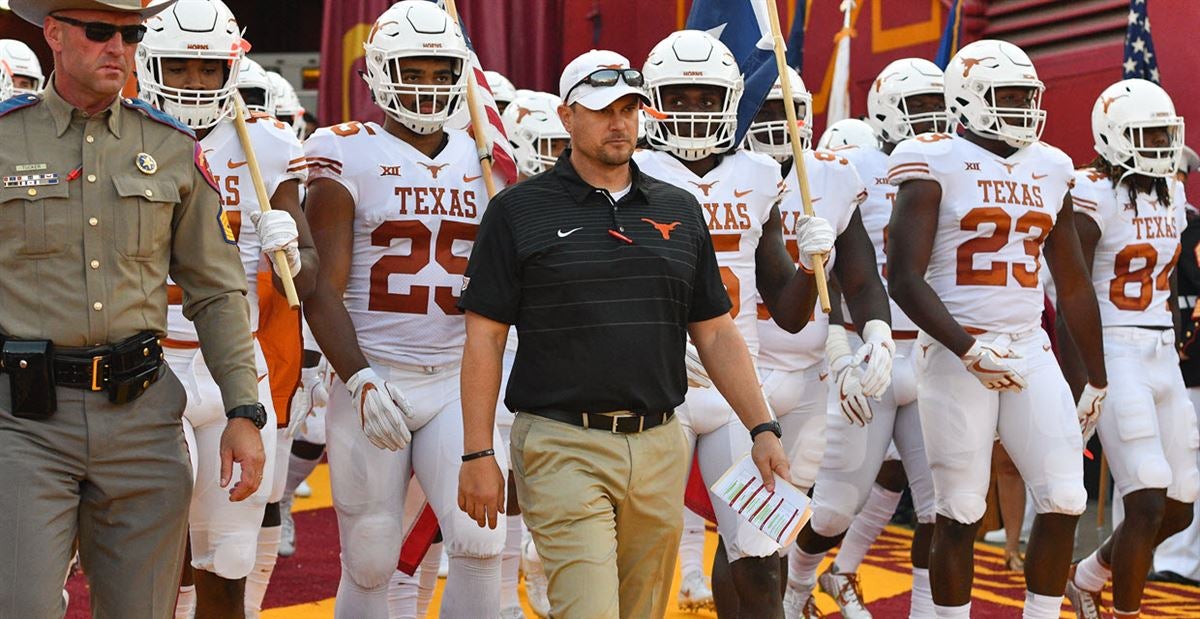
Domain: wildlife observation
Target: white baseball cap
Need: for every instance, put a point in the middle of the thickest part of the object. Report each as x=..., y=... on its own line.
x=572, y=89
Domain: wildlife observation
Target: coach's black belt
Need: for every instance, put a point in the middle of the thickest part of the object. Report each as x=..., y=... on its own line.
x=618, y=423
x=124, y=369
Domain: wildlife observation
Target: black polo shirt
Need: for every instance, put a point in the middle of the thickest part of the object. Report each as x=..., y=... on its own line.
x=602, y=320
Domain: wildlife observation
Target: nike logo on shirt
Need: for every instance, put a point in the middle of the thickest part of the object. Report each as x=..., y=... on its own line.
x=563, y=235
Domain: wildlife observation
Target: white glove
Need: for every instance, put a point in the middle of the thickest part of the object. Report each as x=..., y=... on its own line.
x=310, y=395
x=383, y=409
x=992, y=366
x=697, y=376
x=814, y=237
x=847, y=377
x=877, y=352
x=1088, y=409
x=277, y=231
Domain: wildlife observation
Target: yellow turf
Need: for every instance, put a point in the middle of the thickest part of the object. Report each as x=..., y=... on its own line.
x=877, y=582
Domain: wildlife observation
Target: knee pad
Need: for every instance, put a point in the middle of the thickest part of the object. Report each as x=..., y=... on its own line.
x=1188, y=486
x=964, y=508
x=371, y=548
x=1070, y=499
x=830, y=522
x=233, y=557
x=835, y=503
x=1152, y=473
x=470, y=540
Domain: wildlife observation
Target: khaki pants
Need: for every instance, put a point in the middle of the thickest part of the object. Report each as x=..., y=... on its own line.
x=116, y=477
x=606, y=513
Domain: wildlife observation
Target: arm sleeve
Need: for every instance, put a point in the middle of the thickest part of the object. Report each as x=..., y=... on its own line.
x=1085, y=199
x=709, y=297
x=910, y=160
x=323, y=154
x=491, y=286
x=207, y=267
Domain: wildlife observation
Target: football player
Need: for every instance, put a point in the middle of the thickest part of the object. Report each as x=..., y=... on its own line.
x=904, y=101
x=1129, y=216
x=287, y=103
x=190, y=73
x=977, y=210
x=695, y=86
x=26, y=70
x=502, y=89
x=394, y=209
x=794, y=367
x=6, y=84
x=536, y=132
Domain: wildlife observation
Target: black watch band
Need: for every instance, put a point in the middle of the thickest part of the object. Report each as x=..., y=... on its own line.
x=771, y=426
x=256, y=413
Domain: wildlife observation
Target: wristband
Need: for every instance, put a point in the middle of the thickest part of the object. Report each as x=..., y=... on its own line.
x=478, y=454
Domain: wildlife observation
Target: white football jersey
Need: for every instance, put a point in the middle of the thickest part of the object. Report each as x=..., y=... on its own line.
x=736, y=197
x=876, y=211
x=994, y=216
x=415, y=220
x=1137, y=251
x=280, y=159
x=836, y=191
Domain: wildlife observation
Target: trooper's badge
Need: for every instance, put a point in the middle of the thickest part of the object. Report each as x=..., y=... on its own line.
x=146, y=164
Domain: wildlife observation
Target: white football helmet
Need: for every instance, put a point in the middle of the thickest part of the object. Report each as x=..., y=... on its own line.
x=22, y=62
x=684, y=58
x=255, y=86
x=287, y=104
x=1120, y=119
x=887, y=108
x=6, y=84
x=848, y=132
x=415, y=28
x=771, y=137
x=503, y=90
x=534, y=124
x=204, y=29
x=972, y=78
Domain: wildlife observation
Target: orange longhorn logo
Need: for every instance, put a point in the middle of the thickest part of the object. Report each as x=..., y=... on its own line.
x=663, y=229
x=1007, y=166
x=1107, y=101
x=969, y=63
x=705, y=187
x=434, y=169
x=522, y=112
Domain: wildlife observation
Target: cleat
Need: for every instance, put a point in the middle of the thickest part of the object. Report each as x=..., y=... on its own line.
x=535, y=580
x=303, y=490
x=795, y=606
x=846, y=590
x=512, y=612
x=287, y=533
x=1086, y=603
x=695, y=593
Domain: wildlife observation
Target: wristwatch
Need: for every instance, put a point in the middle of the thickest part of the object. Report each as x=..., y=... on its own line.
x=771, y=426
x=254, y=412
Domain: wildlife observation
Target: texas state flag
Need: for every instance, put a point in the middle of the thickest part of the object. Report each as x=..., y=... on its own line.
x=743, y=26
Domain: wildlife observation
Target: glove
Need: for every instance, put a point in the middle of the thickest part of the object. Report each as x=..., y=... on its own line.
x=877, y=352
x=277, y=231
x=1088, y=409
x=847, y=376
x=697, y=376
x=814, y=237
x=310, y=395
x=383, y=409
x=991, y=365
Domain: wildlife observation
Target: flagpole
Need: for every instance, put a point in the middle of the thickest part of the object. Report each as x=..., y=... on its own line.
x=797, y=152
x=478, y=123
x=264, y=201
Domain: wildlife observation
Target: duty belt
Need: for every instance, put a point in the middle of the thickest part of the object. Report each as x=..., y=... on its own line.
x=94, y=369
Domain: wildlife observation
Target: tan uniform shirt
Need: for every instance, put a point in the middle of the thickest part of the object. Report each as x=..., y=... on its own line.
x=84, y=260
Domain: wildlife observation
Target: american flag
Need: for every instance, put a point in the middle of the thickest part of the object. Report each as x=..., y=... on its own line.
x=504, y=163
x=1140, y=60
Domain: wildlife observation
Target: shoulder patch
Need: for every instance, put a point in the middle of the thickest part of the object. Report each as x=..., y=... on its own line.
x=158, y=116
x=18, y=102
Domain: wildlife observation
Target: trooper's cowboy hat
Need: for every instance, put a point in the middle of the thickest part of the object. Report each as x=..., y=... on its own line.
x=36, y=11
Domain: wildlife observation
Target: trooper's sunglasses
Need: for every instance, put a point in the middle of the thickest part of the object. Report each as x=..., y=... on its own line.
x=608, y=77
x=102, y=32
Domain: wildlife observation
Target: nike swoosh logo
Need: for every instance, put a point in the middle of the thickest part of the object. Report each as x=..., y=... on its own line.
x=260, y=378
x=738, y=194
x=823, y=376
x=471, y=179
x=978, y=367
x=563, y=235
x=233, y=165
x=1038, y=177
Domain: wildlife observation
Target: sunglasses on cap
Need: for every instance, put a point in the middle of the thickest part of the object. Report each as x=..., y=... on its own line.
x=102, y=32
x=608, y=77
